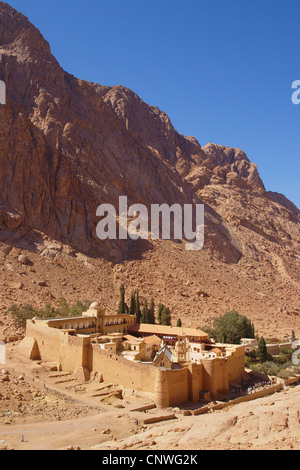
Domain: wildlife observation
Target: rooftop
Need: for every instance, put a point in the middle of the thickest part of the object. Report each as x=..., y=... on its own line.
x=152, y=340
x=167, y=330
x=164, y=350
x=59, y=319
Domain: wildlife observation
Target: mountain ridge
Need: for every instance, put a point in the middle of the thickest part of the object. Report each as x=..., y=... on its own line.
x=67, y=145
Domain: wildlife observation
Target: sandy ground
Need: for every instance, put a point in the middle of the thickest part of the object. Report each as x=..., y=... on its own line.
x=45, y=410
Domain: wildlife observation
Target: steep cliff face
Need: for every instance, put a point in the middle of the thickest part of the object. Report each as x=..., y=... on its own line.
x=69, y=150
x=67, y=146
x=223, y=178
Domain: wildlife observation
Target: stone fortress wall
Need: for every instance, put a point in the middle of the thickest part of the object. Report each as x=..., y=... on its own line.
x=45, y=341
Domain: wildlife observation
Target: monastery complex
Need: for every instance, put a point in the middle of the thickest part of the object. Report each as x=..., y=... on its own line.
x=175, y=365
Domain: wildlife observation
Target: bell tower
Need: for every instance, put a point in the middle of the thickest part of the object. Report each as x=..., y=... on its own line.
x=182, y=348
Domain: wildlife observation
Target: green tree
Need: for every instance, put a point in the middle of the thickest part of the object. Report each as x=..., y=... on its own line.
x=262, y=352
x=145, y=313
x=138, y=308
x=166, y=317
x=80, y=306
x=231, y=328
x=22, y=313
x=121, y=308
x=66, y=310
x=132, y=309
x=151, y=313
x=160, y=310
x=179, y=323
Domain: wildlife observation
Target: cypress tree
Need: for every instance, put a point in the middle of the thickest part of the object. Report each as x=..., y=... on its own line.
x=122, y=307
x=179, y=323
x=138, y=308
x=160, y=310
x=151, y=313
x=145, y=313
x=166, y=317
x=262, y=352
x=132, y=309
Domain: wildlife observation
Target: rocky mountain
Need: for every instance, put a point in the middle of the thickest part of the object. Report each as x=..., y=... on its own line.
x=67, y=146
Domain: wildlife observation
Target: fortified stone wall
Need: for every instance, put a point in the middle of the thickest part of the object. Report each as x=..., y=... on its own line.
x=57, y=346
x=236, y=365
x=215, y=376
x=118, y=370
x=195, y=380
x=169, y=387
x=48, y=340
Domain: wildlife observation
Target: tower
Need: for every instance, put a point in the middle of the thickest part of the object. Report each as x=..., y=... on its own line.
x=182, y=348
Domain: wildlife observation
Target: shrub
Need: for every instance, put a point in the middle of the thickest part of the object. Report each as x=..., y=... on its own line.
x=283, y=358
x=250, y=361
x=270, y=368
x=251, y=358
x=284, y=374
x=286, y=352
x=22, y=313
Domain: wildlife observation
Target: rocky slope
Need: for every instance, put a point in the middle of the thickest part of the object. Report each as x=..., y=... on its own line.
x=67, y=146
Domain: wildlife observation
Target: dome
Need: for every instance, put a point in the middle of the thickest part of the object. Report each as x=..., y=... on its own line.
x=95, y=305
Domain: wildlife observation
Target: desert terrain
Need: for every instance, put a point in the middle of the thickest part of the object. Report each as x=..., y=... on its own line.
x=195, y=286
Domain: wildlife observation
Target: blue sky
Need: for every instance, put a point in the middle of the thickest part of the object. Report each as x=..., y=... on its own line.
x=221, y=69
